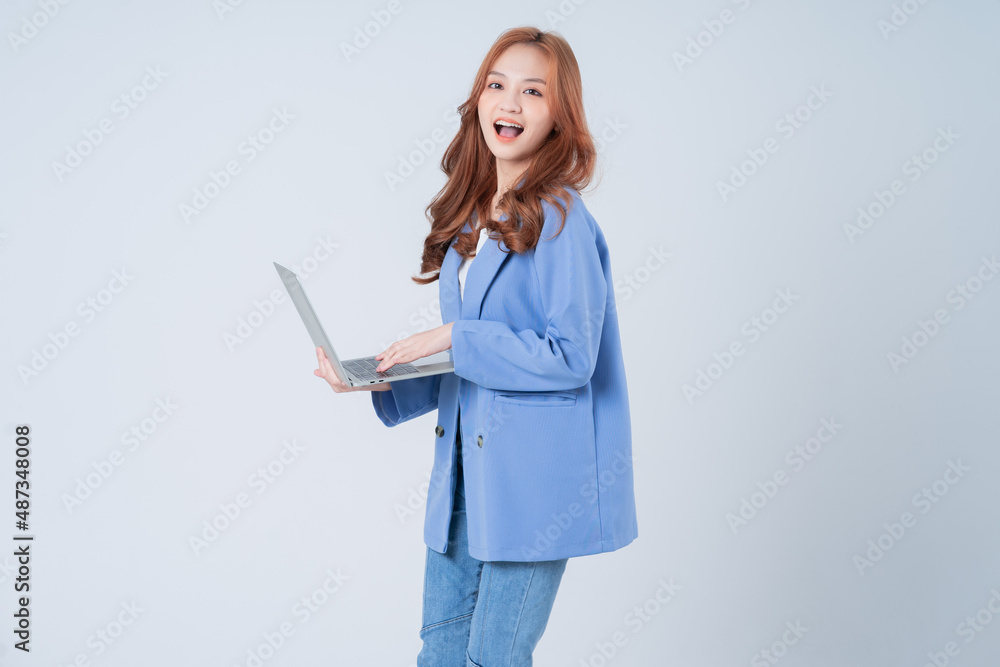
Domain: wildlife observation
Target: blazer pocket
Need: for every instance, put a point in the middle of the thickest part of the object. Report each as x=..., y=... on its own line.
x=537, y=398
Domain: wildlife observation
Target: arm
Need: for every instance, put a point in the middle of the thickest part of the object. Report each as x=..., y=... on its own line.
x=406, y=399
x=573, y=292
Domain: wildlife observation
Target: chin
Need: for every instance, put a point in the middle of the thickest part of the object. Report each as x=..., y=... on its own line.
x=508, y=152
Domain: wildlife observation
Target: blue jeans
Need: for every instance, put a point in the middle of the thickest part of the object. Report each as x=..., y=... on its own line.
x=482, y=613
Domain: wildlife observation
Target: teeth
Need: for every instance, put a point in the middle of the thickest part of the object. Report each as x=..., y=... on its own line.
x=508, y=124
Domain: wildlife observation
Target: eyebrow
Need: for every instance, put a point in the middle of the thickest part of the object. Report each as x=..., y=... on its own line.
x=502, y=76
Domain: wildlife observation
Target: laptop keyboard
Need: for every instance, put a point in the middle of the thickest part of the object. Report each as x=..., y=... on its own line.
x=364, y=369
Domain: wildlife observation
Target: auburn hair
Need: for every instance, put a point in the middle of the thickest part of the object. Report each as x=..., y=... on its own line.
x=564, y=160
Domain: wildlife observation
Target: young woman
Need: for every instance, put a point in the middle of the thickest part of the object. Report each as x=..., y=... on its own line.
x=533, y=453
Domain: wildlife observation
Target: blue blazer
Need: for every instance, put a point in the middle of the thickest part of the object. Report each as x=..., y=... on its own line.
x=540, y=383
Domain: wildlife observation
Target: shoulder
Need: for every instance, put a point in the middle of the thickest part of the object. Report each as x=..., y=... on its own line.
x=579, y=222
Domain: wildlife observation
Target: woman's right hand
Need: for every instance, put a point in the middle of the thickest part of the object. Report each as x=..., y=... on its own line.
x=326, y=372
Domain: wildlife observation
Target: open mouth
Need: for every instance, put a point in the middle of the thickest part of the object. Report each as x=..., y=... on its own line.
x=507, y=130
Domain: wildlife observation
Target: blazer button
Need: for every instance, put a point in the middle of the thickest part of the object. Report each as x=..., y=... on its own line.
x=479, y=441
x=439, y=430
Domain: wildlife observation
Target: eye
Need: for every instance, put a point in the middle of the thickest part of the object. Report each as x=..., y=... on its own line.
x=532, y=91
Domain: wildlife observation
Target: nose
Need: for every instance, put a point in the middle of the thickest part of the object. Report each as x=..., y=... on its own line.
x=509, y=101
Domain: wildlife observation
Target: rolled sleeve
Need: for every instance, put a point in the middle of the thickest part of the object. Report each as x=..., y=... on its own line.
x=407, y=399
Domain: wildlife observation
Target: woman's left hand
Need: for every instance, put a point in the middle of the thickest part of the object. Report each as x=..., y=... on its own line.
x=415, y=347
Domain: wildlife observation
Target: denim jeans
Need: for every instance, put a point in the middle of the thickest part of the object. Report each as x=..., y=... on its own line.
x=482, y=613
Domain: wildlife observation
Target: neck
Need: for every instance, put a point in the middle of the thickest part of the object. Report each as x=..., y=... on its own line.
x=508, y=175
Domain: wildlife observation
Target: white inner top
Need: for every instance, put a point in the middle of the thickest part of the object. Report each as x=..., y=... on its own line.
x=463, y=268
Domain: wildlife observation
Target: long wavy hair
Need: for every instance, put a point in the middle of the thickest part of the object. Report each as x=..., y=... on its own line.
x=564, y=160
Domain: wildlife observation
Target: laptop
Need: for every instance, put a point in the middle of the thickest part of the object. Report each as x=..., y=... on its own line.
x=361, y=371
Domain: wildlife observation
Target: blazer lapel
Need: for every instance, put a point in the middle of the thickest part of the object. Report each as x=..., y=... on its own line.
x=451, y=299
x=481, y=273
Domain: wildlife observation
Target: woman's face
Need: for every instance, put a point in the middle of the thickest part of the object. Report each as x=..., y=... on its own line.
x=516, y=92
